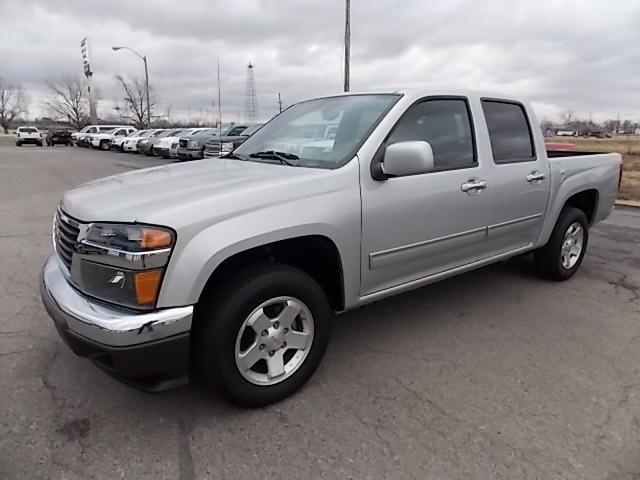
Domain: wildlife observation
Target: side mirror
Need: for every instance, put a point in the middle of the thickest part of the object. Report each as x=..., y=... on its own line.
x=408, y=158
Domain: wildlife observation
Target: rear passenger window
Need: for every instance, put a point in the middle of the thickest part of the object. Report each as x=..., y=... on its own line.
x=509, y=132
x=446, y=125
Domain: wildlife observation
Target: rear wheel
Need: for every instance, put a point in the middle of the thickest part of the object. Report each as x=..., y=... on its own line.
x=561, y=257
x=105, y=145
x=263, y=335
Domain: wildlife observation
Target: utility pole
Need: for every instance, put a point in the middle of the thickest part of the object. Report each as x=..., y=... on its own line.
x=146, y=77
x=219, y=109
x=279, y=103
x=347, y=44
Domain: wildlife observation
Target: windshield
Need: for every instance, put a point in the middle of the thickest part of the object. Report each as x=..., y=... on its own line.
x=251, y=130
x=137, y=133
x=106, y=129
x=205, y=133
x=169, y=133
x=321, y=133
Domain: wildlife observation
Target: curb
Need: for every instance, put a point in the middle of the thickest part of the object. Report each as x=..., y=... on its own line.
x=627, y=203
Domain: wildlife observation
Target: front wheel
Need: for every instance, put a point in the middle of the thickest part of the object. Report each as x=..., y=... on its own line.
x=561, y=257
x=263, y=335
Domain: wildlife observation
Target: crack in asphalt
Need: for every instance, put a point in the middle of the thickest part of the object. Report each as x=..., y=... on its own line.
x=185, y=457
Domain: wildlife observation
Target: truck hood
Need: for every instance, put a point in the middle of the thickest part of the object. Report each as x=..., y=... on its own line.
x=171, y=194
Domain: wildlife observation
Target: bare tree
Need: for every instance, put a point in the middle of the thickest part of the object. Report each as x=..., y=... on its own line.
x=135, y=100
x=69, y=99
x=13, y=102
x=567, y=117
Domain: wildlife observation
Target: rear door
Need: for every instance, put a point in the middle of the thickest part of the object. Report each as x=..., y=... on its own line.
x=420, y=225
x=519, y=186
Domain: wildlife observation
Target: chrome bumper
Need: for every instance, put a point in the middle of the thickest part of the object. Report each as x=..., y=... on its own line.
x=106, y=325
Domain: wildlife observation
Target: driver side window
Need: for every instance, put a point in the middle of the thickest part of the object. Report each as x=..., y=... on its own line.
x=446, y=125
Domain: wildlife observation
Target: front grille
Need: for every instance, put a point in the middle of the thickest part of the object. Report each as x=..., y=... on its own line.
x=184, y=143
x=65, y=234
x=212, y=147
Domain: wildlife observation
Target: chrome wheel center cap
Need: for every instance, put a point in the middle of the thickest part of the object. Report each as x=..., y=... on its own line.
x=274, y=340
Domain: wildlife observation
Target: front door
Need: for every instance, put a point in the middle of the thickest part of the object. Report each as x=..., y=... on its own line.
x=420, y=225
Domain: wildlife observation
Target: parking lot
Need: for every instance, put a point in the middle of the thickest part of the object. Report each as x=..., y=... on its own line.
x=492, y=374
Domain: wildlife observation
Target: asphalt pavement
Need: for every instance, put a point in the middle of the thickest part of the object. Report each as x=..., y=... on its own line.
x=492, y=374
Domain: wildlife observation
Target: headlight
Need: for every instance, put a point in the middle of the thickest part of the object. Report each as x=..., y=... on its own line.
x=124, y=264
x=143, y=141
x=193, y=143
x=130, y=238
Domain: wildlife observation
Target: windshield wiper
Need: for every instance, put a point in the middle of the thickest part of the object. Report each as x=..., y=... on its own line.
x=234, y=156
x=282, y=157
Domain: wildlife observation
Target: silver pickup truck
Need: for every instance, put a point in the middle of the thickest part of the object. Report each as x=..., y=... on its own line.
x=230, y=269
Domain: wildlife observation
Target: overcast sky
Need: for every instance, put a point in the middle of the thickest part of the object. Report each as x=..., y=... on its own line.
x=579, y=55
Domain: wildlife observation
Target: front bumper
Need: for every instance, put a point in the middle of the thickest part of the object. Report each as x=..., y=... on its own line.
x=162, y=151
x=187, y=154
x=34, y=140
x=147, y=350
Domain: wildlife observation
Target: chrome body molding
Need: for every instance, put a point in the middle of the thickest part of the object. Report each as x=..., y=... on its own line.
x=372, y=297
x=410, y=252
x=107, y=325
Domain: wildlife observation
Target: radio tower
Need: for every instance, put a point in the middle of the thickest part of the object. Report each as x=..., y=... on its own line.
x=250, y=100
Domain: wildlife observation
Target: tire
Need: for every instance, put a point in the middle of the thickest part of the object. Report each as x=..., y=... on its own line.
x=40, y=144
x=151, y=152
x=18, y=144
x=105, y=145
x=220, y=319
x=559, y=260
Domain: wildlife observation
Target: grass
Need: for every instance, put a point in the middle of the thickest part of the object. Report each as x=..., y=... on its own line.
x=7, y=140
x=627, y=146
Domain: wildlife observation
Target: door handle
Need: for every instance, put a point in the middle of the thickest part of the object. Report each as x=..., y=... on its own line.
x=535, y=177
x=473, y=186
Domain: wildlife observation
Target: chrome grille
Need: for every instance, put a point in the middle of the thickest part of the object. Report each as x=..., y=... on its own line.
x=65, y=236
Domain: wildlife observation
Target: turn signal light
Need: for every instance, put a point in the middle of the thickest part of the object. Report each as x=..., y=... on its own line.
x=155, y=238
x=147, y=285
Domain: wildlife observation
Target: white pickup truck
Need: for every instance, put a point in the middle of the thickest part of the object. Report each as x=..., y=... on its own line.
x=25, y=135
x=231, y=268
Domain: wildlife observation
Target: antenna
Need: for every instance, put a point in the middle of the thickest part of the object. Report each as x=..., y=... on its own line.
x=250, y=101
x=219, y=109
x=279, y=102
x=347, y=44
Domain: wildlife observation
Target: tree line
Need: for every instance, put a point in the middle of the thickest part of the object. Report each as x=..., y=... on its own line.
x=68, y=101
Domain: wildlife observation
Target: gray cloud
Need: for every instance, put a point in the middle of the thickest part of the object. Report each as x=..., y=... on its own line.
x=560, y=54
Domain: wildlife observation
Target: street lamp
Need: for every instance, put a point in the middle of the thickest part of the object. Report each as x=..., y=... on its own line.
x=146, y=74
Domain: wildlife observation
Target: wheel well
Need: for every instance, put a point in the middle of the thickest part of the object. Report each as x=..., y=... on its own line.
x=316, y=255
x=585, y=201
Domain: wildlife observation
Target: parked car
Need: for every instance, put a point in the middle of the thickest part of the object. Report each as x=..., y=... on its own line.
x=130, y=143
x=59, y=137
x=118, y=142
x=148, y=145
x=192, y=147
x=164, y=145
x=103, y=140
x=81, y=138
x=26, y=135
x=233, y=268
x=213, y=147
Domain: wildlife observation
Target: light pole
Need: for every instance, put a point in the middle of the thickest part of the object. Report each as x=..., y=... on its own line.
x=146, y=75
